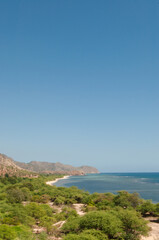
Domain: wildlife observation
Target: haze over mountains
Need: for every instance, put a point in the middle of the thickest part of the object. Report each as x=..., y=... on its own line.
x=11, y=167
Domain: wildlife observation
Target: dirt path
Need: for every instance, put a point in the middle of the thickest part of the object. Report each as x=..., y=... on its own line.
x=55, y=207
x=78, y=207
x=37, y=229
x=154, y=232
x=59, y=224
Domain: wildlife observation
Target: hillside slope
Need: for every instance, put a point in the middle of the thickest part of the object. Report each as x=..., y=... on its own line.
x=8, y=166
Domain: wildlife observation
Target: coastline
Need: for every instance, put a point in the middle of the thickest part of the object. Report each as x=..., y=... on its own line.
x=56, y=180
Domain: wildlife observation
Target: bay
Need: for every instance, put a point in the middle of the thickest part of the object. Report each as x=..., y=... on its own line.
x=146, y=184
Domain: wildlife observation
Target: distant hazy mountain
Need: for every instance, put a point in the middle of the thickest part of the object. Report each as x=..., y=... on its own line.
x=55, y=167
x=11, y=167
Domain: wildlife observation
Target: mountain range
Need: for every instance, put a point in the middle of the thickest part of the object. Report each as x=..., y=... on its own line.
x=11, y=167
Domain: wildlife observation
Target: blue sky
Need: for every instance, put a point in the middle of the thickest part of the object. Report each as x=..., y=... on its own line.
x=79, y=82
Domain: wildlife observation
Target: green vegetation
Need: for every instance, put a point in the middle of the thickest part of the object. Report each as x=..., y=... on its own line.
x=32, y=210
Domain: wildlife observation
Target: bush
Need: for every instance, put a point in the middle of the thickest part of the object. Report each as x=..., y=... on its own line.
x=157, y=208
x=20, y=215
x=7, y=232
x=23, y=233
x=72, y=225
x=26, y=194
x=147, y=208
x=125, y=199
x=90, y=208
x=107, y=222
x=104, y=221
x=119, y=224
x=15, y=195
x=67, y=212
x=81, y=236
x=133, y=225
x=59, y=200
x=42, y=236
x=96, y=233
x=35, y=210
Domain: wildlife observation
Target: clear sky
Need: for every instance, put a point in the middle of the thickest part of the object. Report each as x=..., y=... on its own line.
x=79, y=82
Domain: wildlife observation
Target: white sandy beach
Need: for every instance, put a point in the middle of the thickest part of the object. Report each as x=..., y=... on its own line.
x=56, y=180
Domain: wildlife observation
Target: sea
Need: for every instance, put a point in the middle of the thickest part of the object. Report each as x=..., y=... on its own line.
x=146, y=184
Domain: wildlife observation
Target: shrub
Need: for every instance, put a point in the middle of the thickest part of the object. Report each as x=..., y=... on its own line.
x=133, y=225
x=23, y=233
x=118, y=223
x=125, y=199
x=104, y=221
x=67, y=212
x=147, y=207
x=96, y=233
x=19, y=215
x=59, y=200
x=82, y=236
x=107, y=222
x=7, y=232
x=72, y=225
x=15, y=195
x=35, y=210
x=43, y=236
x=90, y=208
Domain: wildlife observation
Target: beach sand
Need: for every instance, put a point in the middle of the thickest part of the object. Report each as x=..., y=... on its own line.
x=56, y=180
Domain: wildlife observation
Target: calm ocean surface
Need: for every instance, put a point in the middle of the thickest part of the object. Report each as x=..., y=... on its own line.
x=146, y=184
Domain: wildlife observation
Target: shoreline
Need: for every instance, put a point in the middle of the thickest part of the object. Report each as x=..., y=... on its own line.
x=51, y=183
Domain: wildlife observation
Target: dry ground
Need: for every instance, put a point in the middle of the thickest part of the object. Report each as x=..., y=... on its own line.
x=154, y=232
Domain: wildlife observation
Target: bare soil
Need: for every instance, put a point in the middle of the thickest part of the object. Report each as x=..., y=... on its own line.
x=78, y=207
x=154, y=232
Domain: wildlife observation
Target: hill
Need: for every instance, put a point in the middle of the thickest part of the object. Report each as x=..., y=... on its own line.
x=11, y=167
x=56, y=167
x=8, y=166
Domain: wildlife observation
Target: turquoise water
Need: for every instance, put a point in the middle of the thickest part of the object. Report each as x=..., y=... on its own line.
x=146, y=184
